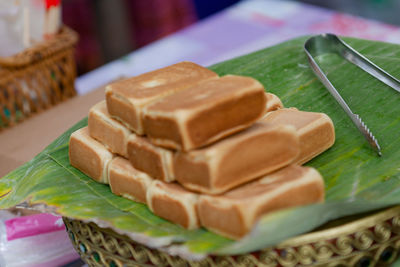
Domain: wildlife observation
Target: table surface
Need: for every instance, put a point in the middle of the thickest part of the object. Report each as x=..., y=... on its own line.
x=243, y=28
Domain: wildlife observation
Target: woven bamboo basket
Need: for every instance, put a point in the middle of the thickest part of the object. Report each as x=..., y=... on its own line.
x=37, y=78
x=372, y=240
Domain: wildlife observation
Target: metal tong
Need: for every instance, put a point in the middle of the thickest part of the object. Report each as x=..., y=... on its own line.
x=330, y=43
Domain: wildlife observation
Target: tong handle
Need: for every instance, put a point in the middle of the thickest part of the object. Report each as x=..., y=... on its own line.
x=324, y=79
x=332, y=44
x=364, y=63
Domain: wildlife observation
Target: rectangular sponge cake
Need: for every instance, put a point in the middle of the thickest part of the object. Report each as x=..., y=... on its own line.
x=151, y=159
x=174, y=203
x=108, y=131
x=204, y=113
x=234, y=213
x=89, y=156
x=237, y=159
x=126, y=98
x=316, y=131
x=128, y=182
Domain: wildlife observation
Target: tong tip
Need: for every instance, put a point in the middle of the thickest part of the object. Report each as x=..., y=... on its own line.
x=369, y=136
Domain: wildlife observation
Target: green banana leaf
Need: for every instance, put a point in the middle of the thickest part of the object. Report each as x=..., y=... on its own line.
x=356, y=179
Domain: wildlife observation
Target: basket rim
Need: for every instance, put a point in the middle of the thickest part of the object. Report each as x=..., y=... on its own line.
x=344, y=229
x=61, y=41
x=330, y=233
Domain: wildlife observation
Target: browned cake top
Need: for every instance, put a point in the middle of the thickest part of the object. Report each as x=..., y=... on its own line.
x=298, y=119
x=267, y=183
x=207, y=92
x=156, y=82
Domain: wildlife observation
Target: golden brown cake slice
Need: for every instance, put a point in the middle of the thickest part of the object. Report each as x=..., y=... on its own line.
x=205, y=112
x=237, y=159
x=89, y=156
x=234, y=213
x=174, y=203
x=126, y=181
x=273, y=102
x=315, y=130
x=151, y=159
x=108, y=131
x=126, y=98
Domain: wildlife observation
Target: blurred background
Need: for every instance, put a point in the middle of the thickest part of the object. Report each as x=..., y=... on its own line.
x=111, y=29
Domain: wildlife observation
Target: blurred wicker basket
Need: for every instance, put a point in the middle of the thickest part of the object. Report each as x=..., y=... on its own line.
x=37, y=78
x=372, y=240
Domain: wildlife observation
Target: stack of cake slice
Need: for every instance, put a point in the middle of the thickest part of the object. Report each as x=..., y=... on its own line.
x=202, y=150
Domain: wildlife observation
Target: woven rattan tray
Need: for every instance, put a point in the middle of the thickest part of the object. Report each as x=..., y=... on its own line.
x=37, y=78
x=372, y=240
